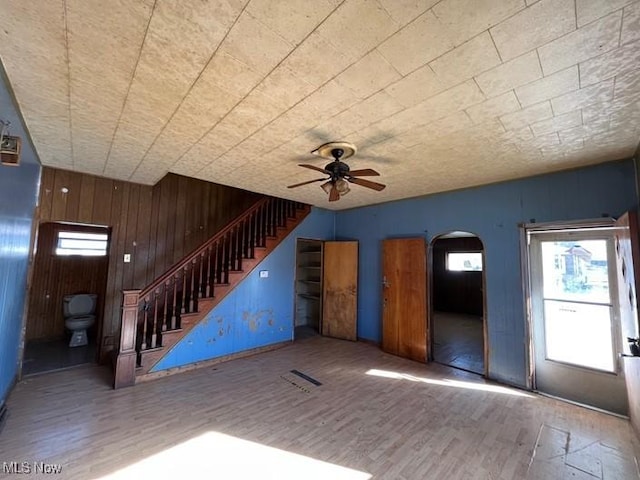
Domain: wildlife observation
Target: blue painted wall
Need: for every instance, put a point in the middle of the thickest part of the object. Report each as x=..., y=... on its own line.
x=259, y=311
x=18, y=194
x=493, y=213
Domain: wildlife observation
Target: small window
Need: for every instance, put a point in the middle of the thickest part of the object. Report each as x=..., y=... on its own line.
x=464, y=261
x=80, y=243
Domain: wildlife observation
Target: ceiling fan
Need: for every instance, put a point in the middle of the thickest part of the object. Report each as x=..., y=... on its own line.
x=340, y=175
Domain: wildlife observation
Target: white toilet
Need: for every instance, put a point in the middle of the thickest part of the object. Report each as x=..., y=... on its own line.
x=79, y=315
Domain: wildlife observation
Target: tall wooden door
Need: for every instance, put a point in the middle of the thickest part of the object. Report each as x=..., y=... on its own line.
x=404, y=298
x=340, y=290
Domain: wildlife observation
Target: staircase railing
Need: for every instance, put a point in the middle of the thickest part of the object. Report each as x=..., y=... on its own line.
x=150, y=313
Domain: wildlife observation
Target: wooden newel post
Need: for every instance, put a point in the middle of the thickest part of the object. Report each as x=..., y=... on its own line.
x=125, y=374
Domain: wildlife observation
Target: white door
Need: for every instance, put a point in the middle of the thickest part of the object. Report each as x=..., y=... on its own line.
x=575, y=317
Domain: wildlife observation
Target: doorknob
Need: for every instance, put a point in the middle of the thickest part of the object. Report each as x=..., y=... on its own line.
x=385, y=284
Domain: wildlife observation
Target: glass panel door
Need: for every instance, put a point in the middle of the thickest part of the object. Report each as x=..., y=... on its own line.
x=576, y=337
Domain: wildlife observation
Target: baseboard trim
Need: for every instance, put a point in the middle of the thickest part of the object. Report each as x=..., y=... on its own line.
x=3, y=416
x=213, y=361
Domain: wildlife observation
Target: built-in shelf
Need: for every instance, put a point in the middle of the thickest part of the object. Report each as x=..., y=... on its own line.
x=312, y=282
x=309, y=283
x=310, y=296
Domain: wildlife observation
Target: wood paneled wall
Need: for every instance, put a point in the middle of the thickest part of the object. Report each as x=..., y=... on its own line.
x=157, y=225
x=458, y=292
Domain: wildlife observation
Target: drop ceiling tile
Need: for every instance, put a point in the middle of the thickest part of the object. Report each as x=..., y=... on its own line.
x=599, y=92
x=519, y=71
x=358, y=26
x=404, y=11
x=467, y=18
x=556, y=84
x=536, y=25
x=589, y=10
x=416, y=87
x=255, y=45
x=316, y=60
x=586, y=42
x=361, y=79
x=555, y=124
x=630, y=24
x=284, y=88
x=610, y=64
x=527, y=116
x=427, y=36
x=627, y=84
x=477, y=55
x=293, y=20
x=378, y=106
x=494, y=107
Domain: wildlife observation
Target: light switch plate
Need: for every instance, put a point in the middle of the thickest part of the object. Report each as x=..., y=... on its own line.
x=264, y=273
x=127, y=258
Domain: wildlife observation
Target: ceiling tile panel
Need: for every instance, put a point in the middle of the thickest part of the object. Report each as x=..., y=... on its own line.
x=631, y=24
x=416, y=87
x=555, y=124
x=527, y=116
x=403, y=11
x=610, y=64
x=586, y=42
x=358, y=79
x=467, y=18
x=476, y=56
x=556, y=84
x=590, y=10
x=600, y=92
x=519, y=71
x=538, y=24
x=428, y=37
x=494, y=107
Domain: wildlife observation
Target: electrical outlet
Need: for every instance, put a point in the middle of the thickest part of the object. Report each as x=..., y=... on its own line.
x=264, y=273
x=127, y=258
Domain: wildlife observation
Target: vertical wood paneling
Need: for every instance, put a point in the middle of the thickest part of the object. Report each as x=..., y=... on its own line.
x=156, y=225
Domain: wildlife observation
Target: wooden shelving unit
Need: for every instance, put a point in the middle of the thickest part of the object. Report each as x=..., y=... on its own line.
x=309, y=283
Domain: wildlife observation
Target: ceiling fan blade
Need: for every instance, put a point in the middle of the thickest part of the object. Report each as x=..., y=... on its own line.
x=306, y=183
x=333, y=194
x=313, y=167
x=365, y=172
x=367, y=183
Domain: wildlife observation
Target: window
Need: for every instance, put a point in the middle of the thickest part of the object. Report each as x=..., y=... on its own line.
x=464, y=261
x=80, y=243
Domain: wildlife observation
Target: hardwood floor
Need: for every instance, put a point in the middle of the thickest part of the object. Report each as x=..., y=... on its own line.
x=458, y=341
x=374, y=416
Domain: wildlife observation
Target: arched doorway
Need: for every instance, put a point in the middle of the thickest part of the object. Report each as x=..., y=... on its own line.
x=458, y=320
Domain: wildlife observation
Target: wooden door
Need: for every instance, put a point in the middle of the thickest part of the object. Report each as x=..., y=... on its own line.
x=340, y=290
x=627, y=248
x=404, y=298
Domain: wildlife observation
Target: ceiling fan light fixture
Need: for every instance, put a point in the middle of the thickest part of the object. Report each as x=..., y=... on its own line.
x=342, y=186
x=326, y=187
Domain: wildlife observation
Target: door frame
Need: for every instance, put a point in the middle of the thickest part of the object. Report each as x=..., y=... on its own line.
x=525, y=231
x=430, y=297
x=295, y=284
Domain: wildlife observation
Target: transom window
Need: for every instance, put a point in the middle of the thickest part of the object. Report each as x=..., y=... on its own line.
x=81, y=243
x=464, y=261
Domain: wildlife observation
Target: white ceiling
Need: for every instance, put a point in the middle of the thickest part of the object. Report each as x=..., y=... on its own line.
x=437, y=95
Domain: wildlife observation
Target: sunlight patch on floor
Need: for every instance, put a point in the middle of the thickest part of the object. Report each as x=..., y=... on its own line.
x=216, y=455
x=449, y=383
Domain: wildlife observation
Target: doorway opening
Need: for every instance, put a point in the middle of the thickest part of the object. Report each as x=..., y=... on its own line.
x=574, y=317
x=458, y=320
x=308, y=303
x=66, y=297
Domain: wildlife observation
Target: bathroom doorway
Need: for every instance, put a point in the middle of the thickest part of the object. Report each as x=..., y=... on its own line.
x=458, y=302
x=69, y=259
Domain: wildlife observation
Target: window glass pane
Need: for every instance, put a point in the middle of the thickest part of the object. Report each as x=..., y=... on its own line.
x=576, y=271
x=464, y=261
x=579, y=334
x=80, y=243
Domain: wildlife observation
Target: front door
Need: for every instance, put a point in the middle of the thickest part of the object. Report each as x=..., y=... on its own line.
x=404, y=298
x=575, y=317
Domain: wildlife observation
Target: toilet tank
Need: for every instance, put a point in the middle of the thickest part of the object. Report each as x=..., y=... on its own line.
x=81, y=304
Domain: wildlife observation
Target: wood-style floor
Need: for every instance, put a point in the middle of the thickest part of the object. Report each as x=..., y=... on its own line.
x=374, y=416
x=458, y=341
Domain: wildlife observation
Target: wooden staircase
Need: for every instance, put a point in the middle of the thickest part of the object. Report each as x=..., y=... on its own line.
x=157, y=317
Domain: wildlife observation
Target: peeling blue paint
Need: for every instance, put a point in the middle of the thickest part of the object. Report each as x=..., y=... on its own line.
x=259, y=311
